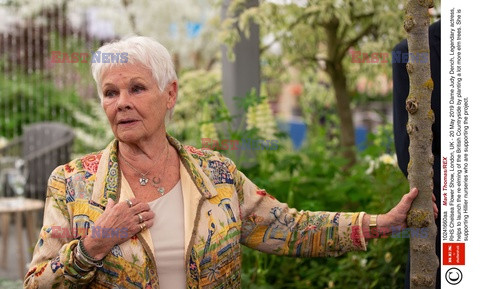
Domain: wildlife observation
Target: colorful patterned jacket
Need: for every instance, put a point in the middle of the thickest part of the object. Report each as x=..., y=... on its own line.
x=223, y=210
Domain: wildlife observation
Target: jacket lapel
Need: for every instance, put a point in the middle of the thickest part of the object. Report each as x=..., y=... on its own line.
x=196, y=187
x=191, y=202
x=107, y=179
x=198, y=176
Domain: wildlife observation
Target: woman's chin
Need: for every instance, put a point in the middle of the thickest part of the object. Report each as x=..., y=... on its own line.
x=128, y=137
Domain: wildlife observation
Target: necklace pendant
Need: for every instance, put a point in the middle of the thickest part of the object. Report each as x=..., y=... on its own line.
x=143, y=181
x=161, y=190
x=156, y=180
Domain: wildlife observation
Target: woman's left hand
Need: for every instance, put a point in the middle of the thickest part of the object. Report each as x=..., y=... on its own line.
x=397, y=217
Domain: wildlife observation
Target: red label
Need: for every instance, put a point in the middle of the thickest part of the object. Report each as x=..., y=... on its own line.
x=453, y=253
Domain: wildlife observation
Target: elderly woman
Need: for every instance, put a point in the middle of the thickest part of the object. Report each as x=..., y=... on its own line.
x=150, y=212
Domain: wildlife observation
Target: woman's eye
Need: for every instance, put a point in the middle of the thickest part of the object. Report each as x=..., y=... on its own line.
x=109, y=93
x=137, y=88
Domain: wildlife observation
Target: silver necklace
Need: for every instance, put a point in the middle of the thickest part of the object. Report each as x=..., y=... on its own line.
x=156, y=180
x=143, y=180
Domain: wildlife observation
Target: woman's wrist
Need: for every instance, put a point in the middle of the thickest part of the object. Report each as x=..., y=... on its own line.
x=79, y=265
x=384, y=225
x=94, y=248
x=375, y=226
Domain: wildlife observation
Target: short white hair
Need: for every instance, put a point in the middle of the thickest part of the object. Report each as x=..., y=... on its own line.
x=140, y=50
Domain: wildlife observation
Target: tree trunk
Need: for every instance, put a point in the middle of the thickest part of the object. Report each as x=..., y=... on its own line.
x=423, y=260
x=347, y=132
x=335, y=70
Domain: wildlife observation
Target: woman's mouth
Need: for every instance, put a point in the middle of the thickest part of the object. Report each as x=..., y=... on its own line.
x=127, y=122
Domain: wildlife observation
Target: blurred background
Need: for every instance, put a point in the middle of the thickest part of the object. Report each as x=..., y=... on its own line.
x=280, y=70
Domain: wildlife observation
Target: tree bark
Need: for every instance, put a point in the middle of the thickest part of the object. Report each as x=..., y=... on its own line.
x=423, y=260
x=336, y=71
x=347, y=132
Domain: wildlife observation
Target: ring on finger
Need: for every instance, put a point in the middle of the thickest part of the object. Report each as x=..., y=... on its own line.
x=130, y=204
x=140, y=218
x=142, y=226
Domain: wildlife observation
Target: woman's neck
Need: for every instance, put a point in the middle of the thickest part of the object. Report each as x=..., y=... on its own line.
x=144, y=152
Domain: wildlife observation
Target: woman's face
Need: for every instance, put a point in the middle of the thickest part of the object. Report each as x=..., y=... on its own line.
x=133, y=103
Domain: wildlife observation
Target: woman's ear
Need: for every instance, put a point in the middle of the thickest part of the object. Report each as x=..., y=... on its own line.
x=172, y=90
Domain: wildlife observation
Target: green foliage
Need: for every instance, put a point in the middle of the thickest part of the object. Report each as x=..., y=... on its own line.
x=315, y=38
x=301, y=32
x=34, y=98
x=77, y=75
x=317, y=102
x=10, y=284
x=65, y=93
x=31, y=98
x=92, y=128
x=312, y=179
x=199, y=102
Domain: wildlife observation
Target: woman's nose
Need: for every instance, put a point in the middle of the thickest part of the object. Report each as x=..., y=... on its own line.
x=123, y=101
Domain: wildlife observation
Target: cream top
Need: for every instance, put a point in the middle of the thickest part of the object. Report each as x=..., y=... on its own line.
x=169, y=238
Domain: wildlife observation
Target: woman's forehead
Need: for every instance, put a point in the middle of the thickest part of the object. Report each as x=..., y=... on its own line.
x=125, y=72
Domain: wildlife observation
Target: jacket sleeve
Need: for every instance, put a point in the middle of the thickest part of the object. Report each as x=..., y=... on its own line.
x=52, y=263
x=272, y=227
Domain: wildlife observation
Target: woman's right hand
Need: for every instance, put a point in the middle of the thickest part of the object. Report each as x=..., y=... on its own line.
x=121, y=219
